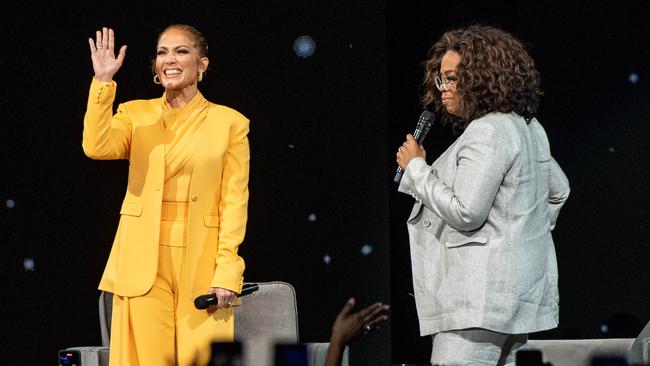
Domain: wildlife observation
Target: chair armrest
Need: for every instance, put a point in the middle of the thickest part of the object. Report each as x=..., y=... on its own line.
x=579, y=352
x=91, y=356
x=640, y=352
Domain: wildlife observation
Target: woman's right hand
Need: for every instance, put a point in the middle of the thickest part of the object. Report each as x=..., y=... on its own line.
x=410, y=149
x=350, y=326
x=102, y=53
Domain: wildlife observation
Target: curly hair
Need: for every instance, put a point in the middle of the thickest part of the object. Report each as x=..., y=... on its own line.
x=495, y=74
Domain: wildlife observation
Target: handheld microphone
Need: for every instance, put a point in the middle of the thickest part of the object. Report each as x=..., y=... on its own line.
x=424, y=124
x=205, y=301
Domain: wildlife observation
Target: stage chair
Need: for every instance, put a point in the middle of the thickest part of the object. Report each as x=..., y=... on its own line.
x=640, y=351
x=266, y=317
x=582, y=352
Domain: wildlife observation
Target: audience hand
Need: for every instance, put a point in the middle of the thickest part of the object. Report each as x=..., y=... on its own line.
x=348, y=327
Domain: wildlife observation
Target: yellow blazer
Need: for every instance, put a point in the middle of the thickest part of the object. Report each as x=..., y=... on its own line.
x=218, y=192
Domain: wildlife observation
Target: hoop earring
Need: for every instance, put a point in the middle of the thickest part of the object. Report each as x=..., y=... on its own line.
x=200, y=76
x=156, y=79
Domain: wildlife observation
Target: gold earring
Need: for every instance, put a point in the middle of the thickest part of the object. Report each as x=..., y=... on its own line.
x=156, y=79
x=200, y=75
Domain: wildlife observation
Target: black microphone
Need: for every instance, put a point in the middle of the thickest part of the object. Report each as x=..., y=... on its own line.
x=205, y=301
x=424, y=124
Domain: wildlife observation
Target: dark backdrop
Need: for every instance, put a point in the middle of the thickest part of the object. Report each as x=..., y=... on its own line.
x=323, y=136
x=597, y=122
x=318, y=133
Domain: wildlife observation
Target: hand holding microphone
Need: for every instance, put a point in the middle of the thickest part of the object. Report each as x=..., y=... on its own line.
x=205, y=301
x=409, y=150
x=412, y=146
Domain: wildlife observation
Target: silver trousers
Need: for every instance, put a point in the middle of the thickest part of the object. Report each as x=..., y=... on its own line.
x=476, y=347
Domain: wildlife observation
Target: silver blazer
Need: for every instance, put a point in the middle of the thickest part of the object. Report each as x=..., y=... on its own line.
x=480, y=231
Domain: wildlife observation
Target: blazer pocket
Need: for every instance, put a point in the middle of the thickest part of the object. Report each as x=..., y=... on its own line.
x=415, y=213
x=457, y=238
x=131, y=209
x=211, y=220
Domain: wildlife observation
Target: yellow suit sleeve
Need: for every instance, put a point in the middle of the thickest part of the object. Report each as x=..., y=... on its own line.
x=233, y=209
x=105, y=136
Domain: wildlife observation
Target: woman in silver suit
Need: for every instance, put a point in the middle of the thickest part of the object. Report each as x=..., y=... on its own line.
x=483, y=258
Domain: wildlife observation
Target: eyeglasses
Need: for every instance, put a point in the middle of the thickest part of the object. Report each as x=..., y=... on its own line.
x=445, y=82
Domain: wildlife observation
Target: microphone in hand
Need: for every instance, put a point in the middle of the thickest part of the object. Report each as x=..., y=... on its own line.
x=205, y=301
x=421, y=129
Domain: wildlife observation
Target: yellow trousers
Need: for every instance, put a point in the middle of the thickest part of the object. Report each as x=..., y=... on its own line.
x=163, y=327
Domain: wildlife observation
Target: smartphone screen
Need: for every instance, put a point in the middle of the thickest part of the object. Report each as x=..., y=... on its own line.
x=226, y=354
x=291, y=354
x=69, y=358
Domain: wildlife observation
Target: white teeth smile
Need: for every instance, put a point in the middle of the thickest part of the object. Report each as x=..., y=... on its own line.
x=172, y=72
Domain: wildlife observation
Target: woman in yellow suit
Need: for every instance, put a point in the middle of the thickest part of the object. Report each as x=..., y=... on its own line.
x=185, y=209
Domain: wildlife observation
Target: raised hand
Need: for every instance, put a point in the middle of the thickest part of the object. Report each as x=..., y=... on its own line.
x=102, y=53
x=349, y=326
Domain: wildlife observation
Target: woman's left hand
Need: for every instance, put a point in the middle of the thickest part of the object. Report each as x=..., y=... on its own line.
x=225, y=298
x=410, y=149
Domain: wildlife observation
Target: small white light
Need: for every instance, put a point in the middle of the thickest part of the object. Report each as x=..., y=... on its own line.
x=28, y=264
x=604, y=328
x=327, y=259
x=612, y=149
x=311, y=217
x=10, y=203
x=366, y=249
x=304, y=46
x=291, y=146
x=633, y=78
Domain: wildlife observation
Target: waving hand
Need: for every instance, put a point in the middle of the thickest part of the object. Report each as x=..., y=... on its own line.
x=102, y=53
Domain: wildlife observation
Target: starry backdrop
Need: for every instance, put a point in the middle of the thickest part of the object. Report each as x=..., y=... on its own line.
x=309, y=76
x=331, y=88
x=594, y=62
